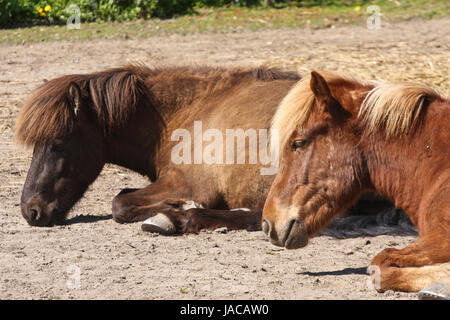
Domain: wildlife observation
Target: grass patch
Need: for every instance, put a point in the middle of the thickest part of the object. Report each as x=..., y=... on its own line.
x=234, y=19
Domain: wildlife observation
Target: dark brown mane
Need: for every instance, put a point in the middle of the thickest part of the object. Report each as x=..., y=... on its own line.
x=114, y=95
x=235, y=73
x=178, y=80
x=48, y=112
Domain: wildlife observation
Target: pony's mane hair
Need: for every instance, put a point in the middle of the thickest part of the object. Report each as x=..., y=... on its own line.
x=223, y=74
x=392, y=108
x=114, y=95
x=395, y=108
x=49, y=111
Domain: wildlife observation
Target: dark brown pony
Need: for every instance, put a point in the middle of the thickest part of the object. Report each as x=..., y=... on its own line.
x=126, y=116
x=340, y=137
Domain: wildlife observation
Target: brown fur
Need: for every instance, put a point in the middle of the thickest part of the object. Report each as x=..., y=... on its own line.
x=395, y=142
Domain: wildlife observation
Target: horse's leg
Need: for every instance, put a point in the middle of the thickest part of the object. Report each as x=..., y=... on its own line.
x=194, y=220
x=170, y=203
x=411, y=269
x=132, y=205
x=411, y=279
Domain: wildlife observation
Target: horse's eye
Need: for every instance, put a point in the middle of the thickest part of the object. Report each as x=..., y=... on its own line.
x=298, y=144
x=57, y=147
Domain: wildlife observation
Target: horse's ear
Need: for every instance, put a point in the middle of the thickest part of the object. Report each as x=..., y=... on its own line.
x=320, y=88
x=75, y=97
x=330, y=107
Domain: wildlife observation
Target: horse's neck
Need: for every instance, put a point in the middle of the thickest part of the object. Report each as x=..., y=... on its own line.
x=136, y=145
x=408, y=171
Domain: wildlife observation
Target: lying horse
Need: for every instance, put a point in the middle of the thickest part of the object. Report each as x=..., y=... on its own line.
x=340, y=137
x=128, y=116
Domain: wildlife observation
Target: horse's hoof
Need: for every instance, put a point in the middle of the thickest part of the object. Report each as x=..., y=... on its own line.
x=159, y=224
x=191, y=204
x=436, y=291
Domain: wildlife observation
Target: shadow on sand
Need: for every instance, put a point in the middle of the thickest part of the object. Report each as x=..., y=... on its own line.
x=87, y=219
x=343, y=272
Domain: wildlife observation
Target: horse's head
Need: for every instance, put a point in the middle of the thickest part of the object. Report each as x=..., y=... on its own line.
x=76, y=124
x=68, y=152
x=321, y=170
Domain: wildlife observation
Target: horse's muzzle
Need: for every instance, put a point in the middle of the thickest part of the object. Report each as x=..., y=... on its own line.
x=291, y=235
x=39, y=214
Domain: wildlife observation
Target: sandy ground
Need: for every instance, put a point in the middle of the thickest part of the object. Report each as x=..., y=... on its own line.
x=122, y=262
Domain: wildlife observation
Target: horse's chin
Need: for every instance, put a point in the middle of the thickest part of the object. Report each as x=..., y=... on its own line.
x=59, y=218
x=297, y=237
x=297, y=242
x=54, y=219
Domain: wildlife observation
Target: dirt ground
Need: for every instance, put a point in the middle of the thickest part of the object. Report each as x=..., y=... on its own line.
x=122, y=262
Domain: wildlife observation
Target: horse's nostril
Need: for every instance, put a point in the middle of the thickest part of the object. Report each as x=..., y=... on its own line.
x=34, y=214
x=266, y=226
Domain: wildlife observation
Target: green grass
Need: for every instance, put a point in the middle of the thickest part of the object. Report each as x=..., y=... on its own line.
x=229, y=19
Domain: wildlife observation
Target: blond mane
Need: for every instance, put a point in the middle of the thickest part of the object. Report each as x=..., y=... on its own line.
x=393, y=108
x=293, y=112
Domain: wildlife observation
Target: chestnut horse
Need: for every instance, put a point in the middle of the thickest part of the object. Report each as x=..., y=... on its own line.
x=340, y=137
x=126, y=116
